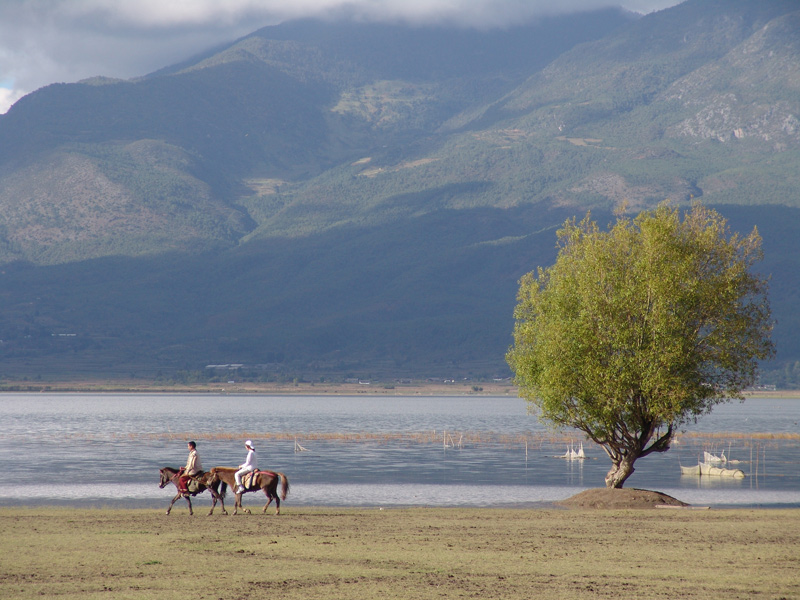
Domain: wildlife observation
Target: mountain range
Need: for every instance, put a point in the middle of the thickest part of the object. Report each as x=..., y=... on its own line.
x=336, y=199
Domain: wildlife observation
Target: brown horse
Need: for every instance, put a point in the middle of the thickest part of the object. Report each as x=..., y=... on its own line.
x=206, y=482
x=264, y=480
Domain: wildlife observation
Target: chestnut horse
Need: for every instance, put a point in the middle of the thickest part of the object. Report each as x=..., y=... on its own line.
x=206, y=482
x=264, y=480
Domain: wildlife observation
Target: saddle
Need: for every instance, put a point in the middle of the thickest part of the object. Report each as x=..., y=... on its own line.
x=194, y=483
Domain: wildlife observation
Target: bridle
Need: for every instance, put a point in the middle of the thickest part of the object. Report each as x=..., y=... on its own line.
x=165, y=480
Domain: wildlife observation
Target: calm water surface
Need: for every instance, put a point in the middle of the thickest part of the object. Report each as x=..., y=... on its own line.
x=106, y=449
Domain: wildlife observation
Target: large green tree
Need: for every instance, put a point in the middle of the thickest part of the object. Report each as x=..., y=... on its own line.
x=638, y=330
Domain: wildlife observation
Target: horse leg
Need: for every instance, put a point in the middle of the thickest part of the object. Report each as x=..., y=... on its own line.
x=221, y=495
x=214, y=497
x=174, y=500
x=238, y=503
x=269, y=500
x=189, y=502
x=217, y=496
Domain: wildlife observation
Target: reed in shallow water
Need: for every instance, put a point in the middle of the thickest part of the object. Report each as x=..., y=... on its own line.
x=533, y=439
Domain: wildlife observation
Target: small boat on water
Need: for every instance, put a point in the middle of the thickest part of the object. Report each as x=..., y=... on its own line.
x=573, y=454
x=693, y=470
x=710, y=470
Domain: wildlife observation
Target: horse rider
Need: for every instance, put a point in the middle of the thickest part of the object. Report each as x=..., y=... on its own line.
x=248, y=466
x=192, y=468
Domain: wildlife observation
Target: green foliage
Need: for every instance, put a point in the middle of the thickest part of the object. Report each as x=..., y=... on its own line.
x=636, y=331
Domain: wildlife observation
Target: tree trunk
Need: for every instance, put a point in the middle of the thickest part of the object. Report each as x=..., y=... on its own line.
x=620, y=471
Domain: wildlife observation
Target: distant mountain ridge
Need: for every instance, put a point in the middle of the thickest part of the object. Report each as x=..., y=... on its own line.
x=336, y=197
x=283, y=104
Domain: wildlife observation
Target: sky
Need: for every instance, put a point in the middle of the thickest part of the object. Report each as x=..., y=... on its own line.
x=63, y=41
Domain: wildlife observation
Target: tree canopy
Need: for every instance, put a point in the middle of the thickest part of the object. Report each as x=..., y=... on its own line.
x=638, y=330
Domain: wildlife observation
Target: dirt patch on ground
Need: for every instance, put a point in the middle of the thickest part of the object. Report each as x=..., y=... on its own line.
x=619, y=498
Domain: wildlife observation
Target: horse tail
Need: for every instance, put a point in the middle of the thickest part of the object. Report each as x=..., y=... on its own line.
x=284, y=485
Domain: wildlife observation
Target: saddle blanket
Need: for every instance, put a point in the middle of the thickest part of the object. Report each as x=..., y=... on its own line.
x=249, y=480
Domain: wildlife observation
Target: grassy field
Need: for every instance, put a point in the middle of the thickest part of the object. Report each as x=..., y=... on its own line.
x=317, y=553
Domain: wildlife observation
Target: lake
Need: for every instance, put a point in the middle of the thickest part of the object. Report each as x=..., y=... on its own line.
x=106, y=450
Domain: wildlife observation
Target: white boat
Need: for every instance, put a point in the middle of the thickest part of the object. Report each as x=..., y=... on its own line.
x=711, y=459
x=573, y=454
x=706, y=469
x=709, y=470
x=693, y=470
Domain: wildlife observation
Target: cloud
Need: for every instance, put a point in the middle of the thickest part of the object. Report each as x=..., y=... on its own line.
x=50, y=41
x=8, y=95
x=161, y=13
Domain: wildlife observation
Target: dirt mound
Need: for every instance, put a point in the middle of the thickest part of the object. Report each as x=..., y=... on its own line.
x=619, y=498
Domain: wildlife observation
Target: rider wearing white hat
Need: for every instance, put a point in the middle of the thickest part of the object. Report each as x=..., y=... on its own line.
x=248, y=466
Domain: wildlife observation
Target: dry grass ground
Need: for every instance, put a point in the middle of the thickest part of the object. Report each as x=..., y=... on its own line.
x=373, y=388
x=316, y=553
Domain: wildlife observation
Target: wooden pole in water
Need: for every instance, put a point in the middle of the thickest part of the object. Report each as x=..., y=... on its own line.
x=757, y=455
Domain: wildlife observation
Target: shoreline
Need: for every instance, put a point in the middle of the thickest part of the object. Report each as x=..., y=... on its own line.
x=570, y=504
x=287, y=510
x=471, y=388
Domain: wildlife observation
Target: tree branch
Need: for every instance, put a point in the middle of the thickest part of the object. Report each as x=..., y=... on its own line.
x=661, y=444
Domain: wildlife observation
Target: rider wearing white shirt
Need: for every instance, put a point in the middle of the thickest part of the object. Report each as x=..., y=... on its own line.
x=248, y=466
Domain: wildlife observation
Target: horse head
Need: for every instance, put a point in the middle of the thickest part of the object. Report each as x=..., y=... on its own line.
x=166, y=476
